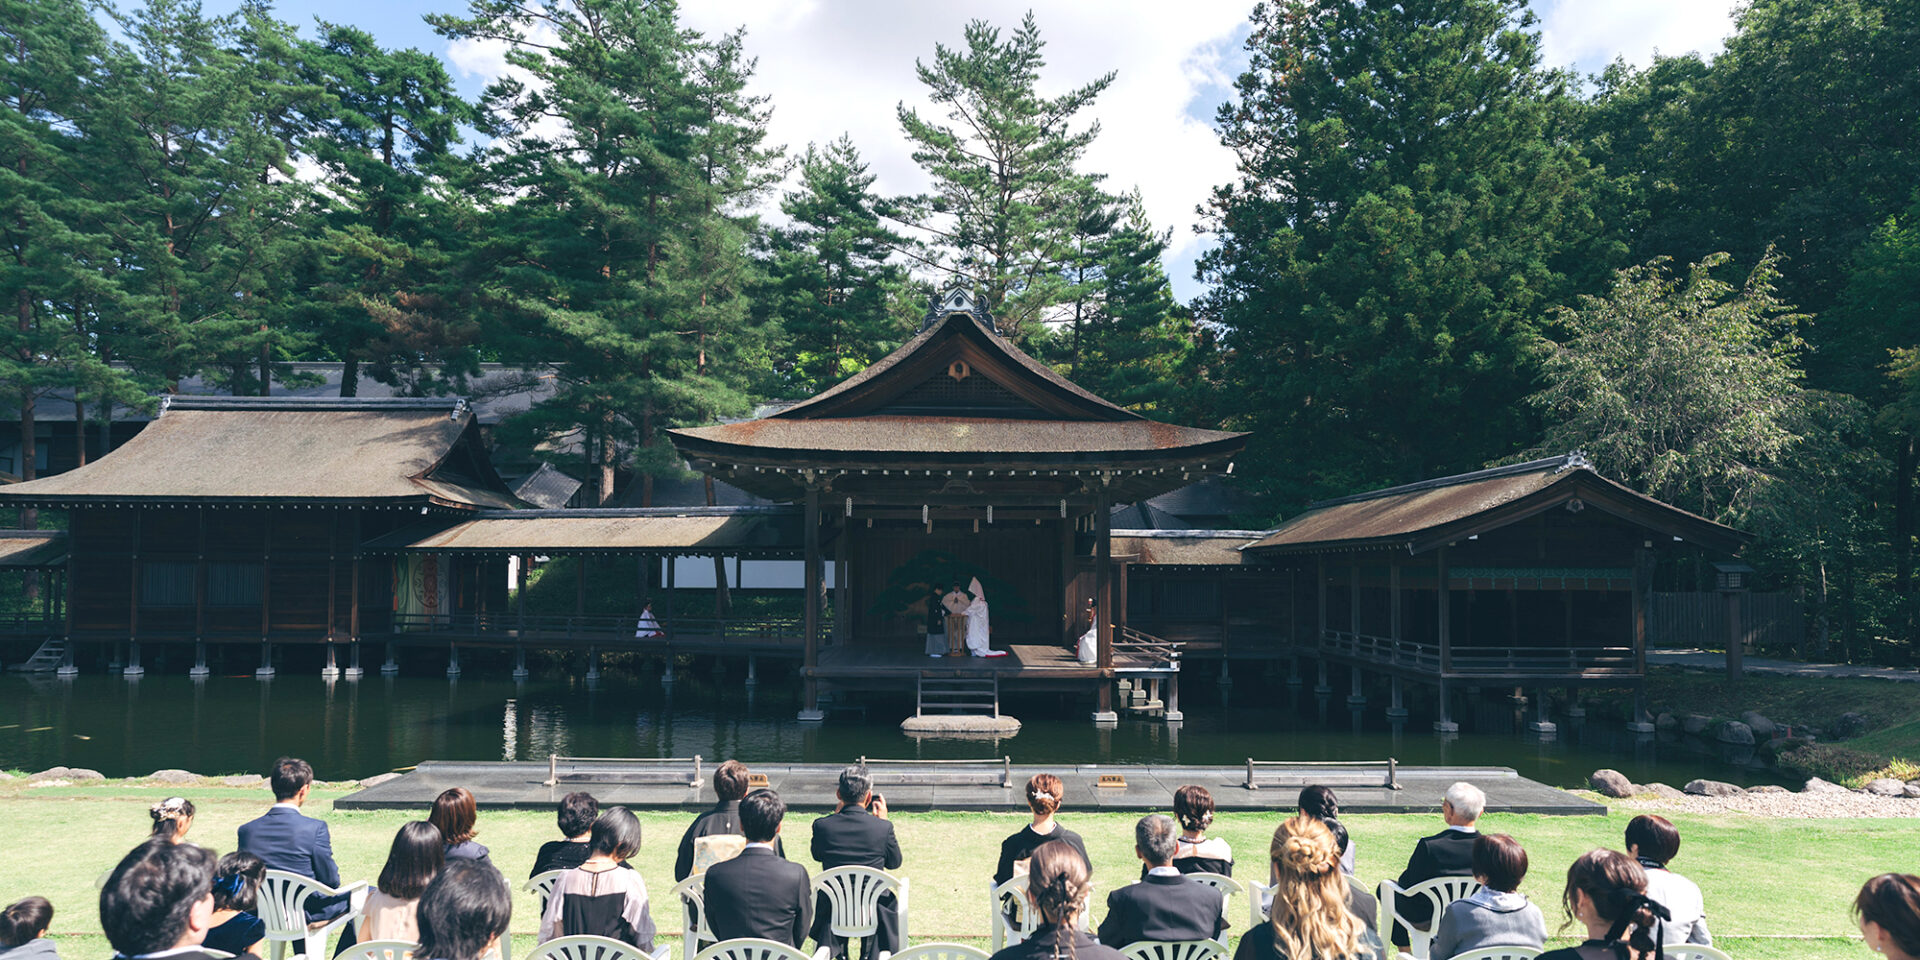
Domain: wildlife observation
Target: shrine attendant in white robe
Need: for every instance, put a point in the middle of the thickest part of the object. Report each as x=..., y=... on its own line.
x=977, y=631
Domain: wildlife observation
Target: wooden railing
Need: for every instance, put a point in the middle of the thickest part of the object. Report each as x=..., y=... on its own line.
x=32, y=624
x=1480, y=661
x=1134, y=650
x=495, y=626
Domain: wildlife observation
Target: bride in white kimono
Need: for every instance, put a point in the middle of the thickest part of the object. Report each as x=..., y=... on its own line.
x=977, y=630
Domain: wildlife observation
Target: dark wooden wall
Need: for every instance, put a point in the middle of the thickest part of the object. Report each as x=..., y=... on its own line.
x=1023, y=556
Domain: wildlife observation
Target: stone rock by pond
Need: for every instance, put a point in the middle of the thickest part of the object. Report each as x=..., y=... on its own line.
x=1910, y=791
x=1694, y=723
x=1711, y=788
x=1817, y=785
x=1662, y=791
x=173, y=776
x=1733, y=731
x=1611, y=783
x=1885, y=787
x=244, y=780
x=1847, y=726
x=70, y=774
x=1666, y=723
x=1760, y=725
x=1768, y=788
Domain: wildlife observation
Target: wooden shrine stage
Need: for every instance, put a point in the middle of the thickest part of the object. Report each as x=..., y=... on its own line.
x=856, y=661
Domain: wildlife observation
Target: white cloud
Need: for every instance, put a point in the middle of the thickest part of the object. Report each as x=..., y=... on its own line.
x=1588, y=34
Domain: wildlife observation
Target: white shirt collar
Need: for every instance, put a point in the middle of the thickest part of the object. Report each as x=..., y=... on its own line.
x=1451, y=826
x=290, y=805
x=1168, y=871
x=196, y=948
x=765, y=846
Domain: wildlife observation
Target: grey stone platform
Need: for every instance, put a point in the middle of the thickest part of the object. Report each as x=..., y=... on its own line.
x=809, y=787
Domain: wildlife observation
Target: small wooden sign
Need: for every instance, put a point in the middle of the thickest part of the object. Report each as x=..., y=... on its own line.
x=1111, y=780
x=756, y=781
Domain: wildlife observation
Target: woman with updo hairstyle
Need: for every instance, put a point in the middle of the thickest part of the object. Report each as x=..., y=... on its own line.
x=1058, y=885
x=1888, y=911
x=1044, y=791
x=1310, y=918
x=1195, y=852
x=237, y=927
x=1319, y=803
x=172, y=818
x=1607, y=893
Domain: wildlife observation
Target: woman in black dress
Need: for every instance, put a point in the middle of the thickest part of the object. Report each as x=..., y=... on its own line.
x=598, y=898
x=1058, y=887
x=1888, y=909
x=1195, y=852
x=577, y=813
x=237, y=926
x=1043, y=798
x=1607, y=893
x=455, y=814
x=1310, y=918
x=463, y=913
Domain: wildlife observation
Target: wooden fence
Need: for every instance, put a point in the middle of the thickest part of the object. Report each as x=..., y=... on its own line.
x=1771, y=621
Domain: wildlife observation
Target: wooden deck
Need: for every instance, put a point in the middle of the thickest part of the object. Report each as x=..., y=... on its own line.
x=887, y=661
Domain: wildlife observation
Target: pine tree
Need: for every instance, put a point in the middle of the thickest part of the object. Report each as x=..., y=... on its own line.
x=834, y=270
x=1007, y=189
x=619, y=249
x=1138, y=345
x=1407, y=209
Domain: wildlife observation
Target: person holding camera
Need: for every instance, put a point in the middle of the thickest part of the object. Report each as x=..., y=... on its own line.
x=857, y=834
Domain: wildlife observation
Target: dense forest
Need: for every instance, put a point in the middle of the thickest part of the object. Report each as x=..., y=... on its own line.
x=1438, y=253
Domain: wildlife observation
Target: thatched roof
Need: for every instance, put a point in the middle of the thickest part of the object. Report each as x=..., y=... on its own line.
x=748, y=531
x=33, y=548
x=274, y=450
x=1207, y=548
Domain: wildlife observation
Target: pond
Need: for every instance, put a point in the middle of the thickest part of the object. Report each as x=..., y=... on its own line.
x=356, y=729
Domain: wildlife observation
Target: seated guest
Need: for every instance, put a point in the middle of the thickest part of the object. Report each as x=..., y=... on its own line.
x=1654, y=842
x=1498, y=915
x=1164, y=905
x=1448, y=853
x=857, y=834
x=455, y=814
x=1888, y=911
x=1058, y=886
x=758, y=893
x=599, y=899
x=158, y=902
x=716, y=835
x=463, y=912
x=392, y=910
x=576, y=815
x=237, y=927
x=23, y=930
x=285, y=839
x=1319, y=803
x=1195, y=852
x=172, y=818
x=1043, y=798
x=1310, y=918
x=1607, y=893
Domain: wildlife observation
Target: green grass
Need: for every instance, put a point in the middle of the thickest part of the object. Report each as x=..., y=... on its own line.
x=1774, y=888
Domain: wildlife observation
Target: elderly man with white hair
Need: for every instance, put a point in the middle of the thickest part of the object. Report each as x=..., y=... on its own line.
x=1448, y=853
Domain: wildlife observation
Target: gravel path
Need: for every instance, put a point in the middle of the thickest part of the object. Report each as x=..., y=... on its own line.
x=1800, y=806
x=1695, y=659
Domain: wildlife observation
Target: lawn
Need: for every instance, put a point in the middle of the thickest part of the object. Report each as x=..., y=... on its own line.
x=1774, y=888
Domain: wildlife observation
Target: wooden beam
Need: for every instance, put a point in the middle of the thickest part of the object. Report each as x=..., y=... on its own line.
x=1443, y=603
x=133, y=582
x=353, y=590
x=842, y=619
x=200, y=576
x=1393, y=602
x=266, y=575
x=1103, y=577
x=810, y=621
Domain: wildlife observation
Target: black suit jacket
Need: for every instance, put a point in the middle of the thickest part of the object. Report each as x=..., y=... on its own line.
x=855, y=838
x=1162, y=908
x=758, y=894
x=1448, y=853
x=723, y=817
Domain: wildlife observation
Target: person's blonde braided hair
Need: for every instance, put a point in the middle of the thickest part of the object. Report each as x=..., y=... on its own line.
x=1310, y=916
x=1058, y=882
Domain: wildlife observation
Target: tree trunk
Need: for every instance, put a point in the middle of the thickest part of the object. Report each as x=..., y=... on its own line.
x=79, y=429
x=606, y=458
x=350, y=376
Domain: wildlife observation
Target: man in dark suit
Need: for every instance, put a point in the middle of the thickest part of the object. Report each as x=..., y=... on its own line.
x=1448, y=853
x=1166, y=906
x=857, y=834
x=723, y=818
x=286, y=839
x=758, y=894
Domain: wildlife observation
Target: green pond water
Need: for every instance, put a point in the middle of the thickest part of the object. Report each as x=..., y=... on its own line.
x=356, y=729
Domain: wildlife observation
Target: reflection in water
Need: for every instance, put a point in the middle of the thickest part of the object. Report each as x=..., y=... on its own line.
x=355, y=729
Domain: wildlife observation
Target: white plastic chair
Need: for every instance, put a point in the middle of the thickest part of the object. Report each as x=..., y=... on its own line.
x=590, y=948
x=378, y=950
x=853, y=895
x=1259, y=895
x=692, y=894
x=1493, y=953
x=1009, y=930
x=754, y=948
x=283, y=908
x=1693, y=951
x=1226, y=885
x=1174, y=950
x=541, y=884
x=1439, y=891
x=938, y=951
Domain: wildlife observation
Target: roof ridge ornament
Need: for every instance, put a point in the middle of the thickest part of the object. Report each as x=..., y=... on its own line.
x=1575, y=460
x=957, y=299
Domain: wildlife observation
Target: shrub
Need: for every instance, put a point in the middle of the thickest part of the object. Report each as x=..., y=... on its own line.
x=1840, y=765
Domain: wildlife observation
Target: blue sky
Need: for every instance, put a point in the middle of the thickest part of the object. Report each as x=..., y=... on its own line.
x=840, y=66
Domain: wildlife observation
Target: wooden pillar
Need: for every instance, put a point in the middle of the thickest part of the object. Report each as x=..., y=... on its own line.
x=1642, y=583
x=670, y=591
x=200, y=595
x=133, y=668
x=520, y=587
x=579, y=587
x=1443, y=603
x=810, y=621
x=842, y=615
x=67, y=667
x=1320, y=585
x=1353, y=600
x=266, y=597
x=332, y=667
x=353, y=603
x=1069, y=602
x=1103, y=601
x=1394, y=629
x=1120, y=603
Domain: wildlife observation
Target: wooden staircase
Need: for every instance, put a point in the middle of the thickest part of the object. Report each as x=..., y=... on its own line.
x=46, y=659
x=959, y=696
